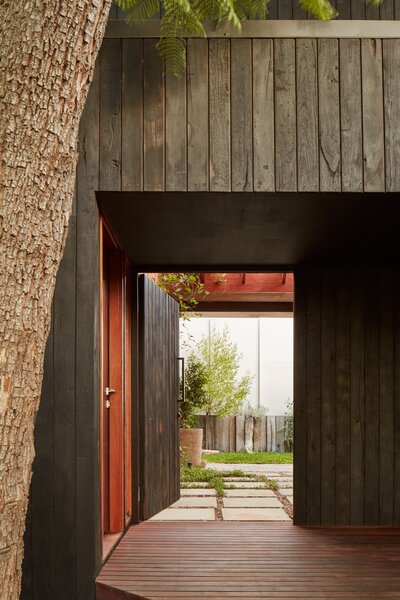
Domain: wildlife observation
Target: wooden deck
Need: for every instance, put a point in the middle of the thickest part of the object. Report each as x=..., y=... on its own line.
x=252, y=560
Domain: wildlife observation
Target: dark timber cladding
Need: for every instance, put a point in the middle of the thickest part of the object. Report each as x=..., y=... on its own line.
x=347, y=407
x=291, y=9
x=310, y=115
x=159, y=395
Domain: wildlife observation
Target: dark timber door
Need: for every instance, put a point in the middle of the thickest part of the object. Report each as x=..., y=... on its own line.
x=159, y=393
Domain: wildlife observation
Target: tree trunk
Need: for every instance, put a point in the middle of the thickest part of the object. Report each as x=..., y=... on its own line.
x=47, y=55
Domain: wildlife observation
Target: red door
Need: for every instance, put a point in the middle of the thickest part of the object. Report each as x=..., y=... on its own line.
x=116, y=390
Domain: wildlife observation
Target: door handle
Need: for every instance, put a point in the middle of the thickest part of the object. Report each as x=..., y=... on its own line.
x=108, y=392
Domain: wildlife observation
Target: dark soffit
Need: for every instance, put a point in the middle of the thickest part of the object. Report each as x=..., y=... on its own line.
x=253, y=230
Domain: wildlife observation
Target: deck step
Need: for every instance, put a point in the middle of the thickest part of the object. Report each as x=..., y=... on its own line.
x=106, y=592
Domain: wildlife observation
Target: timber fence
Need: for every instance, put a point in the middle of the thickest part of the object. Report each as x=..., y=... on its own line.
x=244, y=432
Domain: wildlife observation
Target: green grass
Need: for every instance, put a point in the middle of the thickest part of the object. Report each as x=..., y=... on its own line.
x=255, y=458
x=215, y=479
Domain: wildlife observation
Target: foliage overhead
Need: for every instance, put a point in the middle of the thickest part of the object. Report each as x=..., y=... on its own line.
x=224, y=391
x=181, y=19
x=186, y=288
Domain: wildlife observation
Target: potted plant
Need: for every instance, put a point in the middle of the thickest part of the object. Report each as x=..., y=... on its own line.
x=191, y=438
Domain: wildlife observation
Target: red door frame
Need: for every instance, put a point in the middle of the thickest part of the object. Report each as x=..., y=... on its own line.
x=115, y=409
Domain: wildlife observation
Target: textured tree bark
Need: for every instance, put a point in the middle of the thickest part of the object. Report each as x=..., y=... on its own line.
x=47, y=55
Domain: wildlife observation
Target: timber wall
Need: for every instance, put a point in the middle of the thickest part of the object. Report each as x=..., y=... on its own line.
x=251, y=115
x=290, y=9
x=262, y=115
x=347, y=396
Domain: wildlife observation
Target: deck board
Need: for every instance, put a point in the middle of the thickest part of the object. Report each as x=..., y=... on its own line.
x=252, y=560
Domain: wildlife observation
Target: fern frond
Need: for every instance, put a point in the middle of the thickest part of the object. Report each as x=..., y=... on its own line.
x=217, y=10
x=139, y=10
x=251, y=9
x=320, y=9
x=178, y=21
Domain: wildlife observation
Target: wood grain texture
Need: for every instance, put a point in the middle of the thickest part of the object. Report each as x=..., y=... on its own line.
x=132, y=115
x=263, y=116
x=110, y=116
x=391, y=63
x=328, y=399
x=307, y=115
x=220, y=118
x=241, y=115
x=175, y=133
x=197, y=125
x=351, y=115
x=153, y=119
x=206, y=560
x=329, y=116
x=373, y=126
x=285, y=115
x=158, y=348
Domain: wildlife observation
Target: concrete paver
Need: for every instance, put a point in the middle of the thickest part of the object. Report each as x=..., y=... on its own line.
x=254, y=514
x=199, y=492
x=247, y=484
x=245, y=493
x=185, y=514
x=267, y=502
x=195, y=502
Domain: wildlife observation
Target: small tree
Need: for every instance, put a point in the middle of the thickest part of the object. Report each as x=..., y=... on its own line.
x=225, y=392
x=195, y=396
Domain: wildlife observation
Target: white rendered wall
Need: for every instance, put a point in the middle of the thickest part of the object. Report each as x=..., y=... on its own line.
x=267, y=348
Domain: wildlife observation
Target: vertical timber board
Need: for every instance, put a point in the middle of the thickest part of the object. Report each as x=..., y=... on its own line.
x=273, y=9
x=386, y=10
x=197, y=115
x=343, y=353
x=351, y=115
x=239, y=433
x=232, y=434
x=344, y=9
x=220, y=115
x=222, y=434
x=257, y=434
x=175, y=133
x=110, y=115
x=241, y=115
x=153, y=119
x=357, y=9
x=285, y=115
x=357, y=432
x=300, y=396
x=328, y=398
x=42, y=487
x=285, y=9
x=132, y=115
x=373, y=129
x=280, y=433
x=263, y=435
x=298, y=11
x=88, y=532
x=386, y=392
x=307, y=115
x=329, y=115
x=263, y=116
x=314, y=396
x=396, y=403
x=64, y=422
x=210, y=432
x=397, y=10
x=391, y=65
x=372, y=399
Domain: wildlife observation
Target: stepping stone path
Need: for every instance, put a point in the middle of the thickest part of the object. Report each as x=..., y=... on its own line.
x=250, y=500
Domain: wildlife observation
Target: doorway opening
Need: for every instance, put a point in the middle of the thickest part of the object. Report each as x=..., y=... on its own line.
x=116, y=391
x=236, y=386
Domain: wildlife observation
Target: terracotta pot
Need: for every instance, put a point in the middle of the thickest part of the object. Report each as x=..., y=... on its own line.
x=191, y=442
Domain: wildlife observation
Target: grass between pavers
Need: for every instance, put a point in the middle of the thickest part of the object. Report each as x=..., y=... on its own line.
x=215, y=479
x=250, y=458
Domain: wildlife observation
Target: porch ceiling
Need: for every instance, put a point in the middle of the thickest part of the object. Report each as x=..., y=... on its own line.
x=249, y=231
